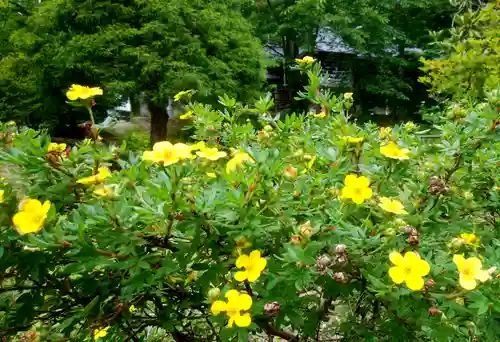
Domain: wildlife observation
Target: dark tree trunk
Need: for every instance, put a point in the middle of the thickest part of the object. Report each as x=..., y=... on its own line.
x=135, y=105
x=159, y=121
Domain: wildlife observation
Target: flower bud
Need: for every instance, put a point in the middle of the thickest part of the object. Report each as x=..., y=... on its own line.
x=430, y=283
x=306, y=229
x=468, y=195
x=296, y=239
x=290, y=172
x=213, y=294
x=389, y=232
x=340, y=249
x=437, y=186
x=322, y=263
x=460, y=300
x=272, y=309
x=433, y=311
x=340, y=277
x=400, y=223
x=268, y=128
x=456, y=243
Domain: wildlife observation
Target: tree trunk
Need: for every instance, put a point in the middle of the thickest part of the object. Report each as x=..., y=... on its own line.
x=135, y=105
x=159, y=120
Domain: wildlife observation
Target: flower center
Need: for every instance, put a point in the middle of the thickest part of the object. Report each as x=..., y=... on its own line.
x=467, y=272
x=357, y=191
x=407, y=269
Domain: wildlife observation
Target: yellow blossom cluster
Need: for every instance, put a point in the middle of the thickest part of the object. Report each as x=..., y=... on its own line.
x=392, y=150
x=102, y=174
x=55, y=147
x=166, y=153
x=410, y=269
x=252, y=264
x=31, y=216
x=79, y=92
x=236, y=308
x=307, y=60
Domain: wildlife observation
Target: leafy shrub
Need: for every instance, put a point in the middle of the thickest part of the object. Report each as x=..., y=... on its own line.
x=471, y=63
x=306, y=228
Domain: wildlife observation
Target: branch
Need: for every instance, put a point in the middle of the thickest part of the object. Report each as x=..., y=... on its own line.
x=273, y=331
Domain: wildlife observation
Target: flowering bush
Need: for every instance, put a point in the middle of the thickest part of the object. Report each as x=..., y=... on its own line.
x=309, y=227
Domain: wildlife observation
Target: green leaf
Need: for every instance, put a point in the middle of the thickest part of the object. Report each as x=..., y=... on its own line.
x=91, y=305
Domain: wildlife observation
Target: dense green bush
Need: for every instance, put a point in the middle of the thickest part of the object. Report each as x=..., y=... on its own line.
x=306, y=228
x=469, y=64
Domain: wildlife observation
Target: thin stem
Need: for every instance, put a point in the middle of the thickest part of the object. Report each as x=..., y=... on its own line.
x=91, y=115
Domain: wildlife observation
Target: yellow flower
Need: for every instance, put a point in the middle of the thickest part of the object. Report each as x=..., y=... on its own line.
x=183, y=151
x=200, y=145
x=211, y=153
x=306, y=60
x=320, y=115
x=409, y=126
x=2, y=192
x=357, y=188
x=470, y=239
x=253, y=264
x=384, y=132
x=104, y=191
x=82, y=92
x=392, y=206
x=236, y=306
x=409, y=268
x=238, y=159
x=352, y=140
x=132, y=308
x=211, y=175
x=310, y=163
x=186, y=116
x=167, y=154
x=102, y=332
x=102, y=173
x=392, y=150
x=55, y=147
x=348, y=96
x=470, y=271
x=184, y=93
x=31, y=216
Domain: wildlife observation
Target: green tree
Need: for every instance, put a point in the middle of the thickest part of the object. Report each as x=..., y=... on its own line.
x=377, y=30
x=155, y=48
x=472, y=50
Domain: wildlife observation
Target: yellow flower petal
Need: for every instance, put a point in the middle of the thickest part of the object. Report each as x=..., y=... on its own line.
x=467, y=282
x=397, y=274
x=396, y=258
x=217, y=307
x=242, y=261
x=350, y=180
x=483, y=276
x=363, y=182
x=244, y=301
x=414, y=282
x=231, y=294
x=241, y=276
x=253, y=275
x=421, y=268
x=243, y=320
x=459, y=260
x=26, y=223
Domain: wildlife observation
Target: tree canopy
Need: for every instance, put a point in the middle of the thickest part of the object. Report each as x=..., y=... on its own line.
x=155, y=48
